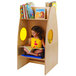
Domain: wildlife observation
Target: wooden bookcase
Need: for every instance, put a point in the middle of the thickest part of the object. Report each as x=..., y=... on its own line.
x=51, y=50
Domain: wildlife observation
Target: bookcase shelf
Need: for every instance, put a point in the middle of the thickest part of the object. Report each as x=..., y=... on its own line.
x=43, y=59
x=35, y=19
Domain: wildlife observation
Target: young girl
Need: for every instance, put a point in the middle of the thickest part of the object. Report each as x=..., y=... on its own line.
x=36, y=41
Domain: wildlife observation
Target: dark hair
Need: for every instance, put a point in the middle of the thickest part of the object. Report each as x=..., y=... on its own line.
x=38, y=30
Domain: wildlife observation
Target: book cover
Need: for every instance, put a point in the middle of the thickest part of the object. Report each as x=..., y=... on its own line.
x=39, y=13
x=29, y=48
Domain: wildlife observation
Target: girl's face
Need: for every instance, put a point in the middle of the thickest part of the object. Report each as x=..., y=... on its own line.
x=35, y=34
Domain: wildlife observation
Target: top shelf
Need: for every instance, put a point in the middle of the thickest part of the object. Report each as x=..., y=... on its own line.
x=47, y=10
x=35, y=19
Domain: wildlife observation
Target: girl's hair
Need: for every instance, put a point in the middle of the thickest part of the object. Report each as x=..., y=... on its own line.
x=38, y=30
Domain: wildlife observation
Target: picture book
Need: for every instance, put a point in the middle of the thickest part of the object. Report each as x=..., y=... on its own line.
x=29, y=48
x=39, y=13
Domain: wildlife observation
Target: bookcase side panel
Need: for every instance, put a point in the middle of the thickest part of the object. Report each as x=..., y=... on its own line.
x=51, y=53
x=21, y=61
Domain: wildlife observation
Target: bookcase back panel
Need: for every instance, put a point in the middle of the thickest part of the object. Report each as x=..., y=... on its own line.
x=41, y=23
x=46, y=10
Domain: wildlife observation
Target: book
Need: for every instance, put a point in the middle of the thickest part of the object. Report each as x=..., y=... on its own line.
x=21, y=12
x=29, y=48
x=24, y=11
x=39, y=13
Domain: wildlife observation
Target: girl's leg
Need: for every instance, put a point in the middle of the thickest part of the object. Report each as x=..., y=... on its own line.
x=29, y=52
x=33, y=54
x=26, y=50
x=38, y=51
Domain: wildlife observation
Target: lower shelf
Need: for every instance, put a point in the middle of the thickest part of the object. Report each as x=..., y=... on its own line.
x=35, y=60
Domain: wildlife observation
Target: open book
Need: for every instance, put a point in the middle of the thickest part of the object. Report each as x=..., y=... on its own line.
x=29, y=48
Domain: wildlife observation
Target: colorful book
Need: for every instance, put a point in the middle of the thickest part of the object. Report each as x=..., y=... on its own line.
x=21, y=12
x=39, y=13
x=29, y=48
x=24, y=11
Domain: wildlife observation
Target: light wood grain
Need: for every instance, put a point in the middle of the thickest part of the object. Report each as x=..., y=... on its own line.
x=37, y=59
x=51, y=50
x=37, y=62
x=21, y=61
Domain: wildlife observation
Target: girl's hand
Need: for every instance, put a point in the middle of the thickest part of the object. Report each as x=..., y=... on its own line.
x=43, y=43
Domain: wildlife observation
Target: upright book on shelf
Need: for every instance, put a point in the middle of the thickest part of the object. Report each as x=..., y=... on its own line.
x=24, y=11
x=39, y=13
x=21, y=12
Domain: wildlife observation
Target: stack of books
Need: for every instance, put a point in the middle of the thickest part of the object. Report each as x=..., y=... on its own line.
x=49, y=4
x=26, y=11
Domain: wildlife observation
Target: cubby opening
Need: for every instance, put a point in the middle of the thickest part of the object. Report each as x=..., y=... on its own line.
x=28, y=24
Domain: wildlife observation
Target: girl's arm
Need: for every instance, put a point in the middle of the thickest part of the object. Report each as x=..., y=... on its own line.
x=43, y=43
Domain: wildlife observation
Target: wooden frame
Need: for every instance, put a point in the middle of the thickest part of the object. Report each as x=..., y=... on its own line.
x=51, y=50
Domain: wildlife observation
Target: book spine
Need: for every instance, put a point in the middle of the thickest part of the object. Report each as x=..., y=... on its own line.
x=27, y=12
x=24, y=11
x=21, y=12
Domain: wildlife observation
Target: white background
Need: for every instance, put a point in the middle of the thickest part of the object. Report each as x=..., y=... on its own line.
x=9, y=21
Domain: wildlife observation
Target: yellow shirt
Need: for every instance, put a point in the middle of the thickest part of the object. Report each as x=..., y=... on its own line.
x=36, y=43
